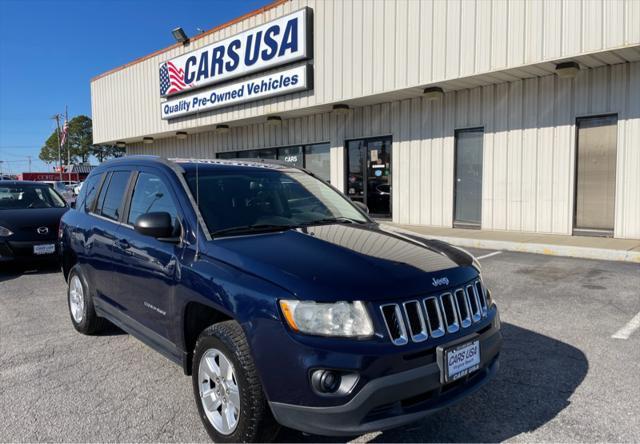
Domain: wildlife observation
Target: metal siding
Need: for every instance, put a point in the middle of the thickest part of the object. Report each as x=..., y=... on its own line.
x=374, y=47
x=529, y=147
x=514, y=157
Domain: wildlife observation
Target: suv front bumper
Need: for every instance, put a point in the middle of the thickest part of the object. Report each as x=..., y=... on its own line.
x=394, y=400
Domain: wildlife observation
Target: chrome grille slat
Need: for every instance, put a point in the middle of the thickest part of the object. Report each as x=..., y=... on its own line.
x=482, y=296
x=450, y=312
x=474, y=303
x=436, y=315
x=395, y=323
x=462, y=305
x=413, y=312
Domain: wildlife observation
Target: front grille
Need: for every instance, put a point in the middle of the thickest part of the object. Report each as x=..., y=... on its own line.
x=435, y=316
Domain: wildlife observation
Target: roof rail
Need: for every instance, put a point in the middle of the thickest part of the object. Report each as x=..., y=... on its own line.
x=245, y=160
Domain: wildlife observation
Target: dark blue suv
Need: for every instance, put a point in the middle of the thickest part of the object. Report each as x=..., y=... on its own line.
x=285, y=302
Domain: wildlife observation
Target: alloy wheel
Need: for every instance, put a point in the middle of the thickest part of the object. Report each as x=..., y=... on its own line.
x=76, y=299
x=219, y=391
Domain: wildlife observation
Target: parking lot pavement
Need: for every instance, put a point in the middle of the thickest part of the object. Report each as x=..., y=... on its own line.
x=562, y=377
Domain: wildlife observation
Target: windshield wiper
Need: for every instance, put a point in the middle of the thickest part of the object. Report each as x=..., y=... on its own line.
x=251, y=229
x=333, y=220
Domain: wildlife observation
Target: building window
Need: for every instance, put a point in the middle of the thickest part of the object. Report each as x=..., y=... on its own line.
x=318, y=161
x=314, y=158
x=292, y=155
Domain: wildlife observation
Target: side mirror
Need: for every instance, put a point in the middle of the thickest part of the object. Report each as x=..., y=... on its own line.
x=158, y=225
x=361, y=205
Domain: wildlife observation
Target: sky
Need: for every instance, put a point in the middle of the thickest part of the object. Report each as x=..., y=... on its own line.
x=50, y=50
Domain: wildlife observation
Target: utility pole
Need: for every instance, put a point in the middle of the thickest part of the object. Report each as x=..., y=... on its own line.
x=66, y=141
x=29, y=157
x=56, y=117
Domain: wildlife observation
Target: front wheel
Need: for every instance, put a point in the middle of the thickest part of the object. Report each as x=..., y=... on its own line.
x=228, y=393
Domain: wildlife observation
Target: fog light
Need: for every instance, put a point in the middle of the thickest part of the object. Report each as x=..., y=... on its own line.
x=326, y=381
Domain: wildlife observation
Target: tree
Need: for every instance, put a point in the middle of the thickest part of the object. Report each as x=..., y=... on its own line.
x=80, y=137
x=49, y=152
x=103, y=152
x=79, y=144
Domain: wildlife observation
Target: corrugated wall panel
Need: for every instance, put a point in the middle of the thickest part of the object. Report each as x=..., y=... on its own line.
x=514, y=158
x=529, y=147
x=529, y=166
x=365, y=47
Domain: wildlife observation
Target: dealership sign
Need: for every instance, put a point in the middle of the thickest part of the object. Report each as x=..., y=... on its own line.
x=281, y=41
x=282, y=82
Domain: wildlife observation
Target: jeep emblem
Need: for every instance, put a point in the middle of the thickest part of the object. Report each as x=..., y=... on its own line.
x=441, y=281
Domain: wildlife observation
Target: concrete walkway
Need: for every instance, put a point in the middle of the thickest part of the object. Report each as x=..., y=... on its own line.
x=573, y=246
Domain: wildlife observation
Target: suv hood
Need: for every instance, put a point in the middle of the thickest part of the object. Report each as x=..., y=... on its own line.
x=347, y=262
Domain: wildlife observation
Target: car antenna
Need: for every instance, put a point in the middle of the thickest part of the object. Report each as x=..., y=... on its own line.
x=198, y=209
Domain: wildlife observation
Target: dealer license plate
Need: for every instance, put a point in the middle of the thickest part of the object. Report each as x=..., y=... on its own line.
x=44, y=249
x=461, y=360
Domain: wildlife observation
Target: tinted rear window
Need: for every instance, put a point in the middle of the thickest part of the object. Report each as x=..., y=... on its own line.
x=111, y=195
x=89, y=192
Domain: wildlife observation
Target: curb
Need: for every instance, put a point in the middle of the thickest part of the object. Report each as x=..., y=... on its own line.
x=546, y=249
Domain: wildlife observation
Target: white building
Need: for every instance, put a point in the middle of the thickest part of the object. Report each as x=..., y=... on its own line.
x=515, y=143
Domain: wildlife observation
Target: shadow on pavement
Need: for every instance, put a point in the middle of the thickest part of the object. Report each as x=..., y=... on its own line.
x=111, y=330
x=13, y=271
x=537, y=376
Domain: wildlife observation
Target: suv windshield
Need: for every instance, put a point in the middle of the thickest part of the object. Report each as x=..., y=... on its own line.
x=20, y=197
x=233, y=202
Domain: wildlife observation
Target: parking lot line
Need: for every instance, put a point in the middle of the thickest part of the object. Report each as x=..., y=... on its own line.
x=489, y=255
x=628, y=329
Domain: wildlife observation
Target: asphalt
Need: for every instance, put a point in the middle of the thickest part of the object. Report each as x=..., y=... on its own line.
x=562, y=376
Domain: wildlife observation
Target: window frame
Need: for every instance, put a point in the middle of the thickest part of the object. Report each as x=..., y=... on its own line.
x=132, y=188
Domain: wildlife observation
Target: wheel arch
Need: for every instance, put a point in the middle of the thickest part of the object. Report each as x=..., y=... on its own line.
x=196, y=318
x=69, y=260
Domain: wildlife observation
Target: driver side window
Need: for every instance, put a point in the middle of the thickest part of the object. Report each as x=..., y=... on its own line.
x=151, y=195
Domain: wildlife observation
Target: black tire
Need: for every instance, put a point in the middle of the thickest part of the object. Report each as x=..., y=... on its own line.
x=90, y=323
x=255, y=421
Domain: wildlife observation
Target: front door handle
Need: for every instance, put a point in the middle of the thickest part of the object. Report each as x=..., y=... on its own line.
x=123, y=244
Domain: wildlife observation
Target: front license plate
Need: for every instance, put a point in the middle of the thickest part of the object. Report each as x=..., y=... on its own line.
x=44, y=249
x=461, y=360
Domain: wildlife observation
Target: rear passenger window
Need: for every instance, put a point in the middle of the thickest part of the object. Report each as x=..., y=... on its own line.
x=89, y=192
x=151, y=195
x=111, y=195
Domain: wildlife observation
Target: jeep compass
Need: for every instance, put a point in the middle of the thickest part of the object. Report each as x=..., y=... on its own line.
x=285, y=302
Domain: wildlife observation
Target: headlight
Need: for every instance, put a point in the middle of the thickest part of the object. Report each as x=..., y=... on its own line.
x=5, y=232
x=347, y=319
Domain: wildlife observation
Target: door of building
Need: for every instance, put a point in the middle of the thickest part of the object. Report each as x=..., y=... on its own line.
x=595, y=175
x=468, y=178
x=368, y=178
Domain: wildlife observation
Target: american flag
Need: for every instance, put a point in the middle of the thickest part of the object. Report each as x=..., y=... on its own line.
x=171, y=79
x=63, y=136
